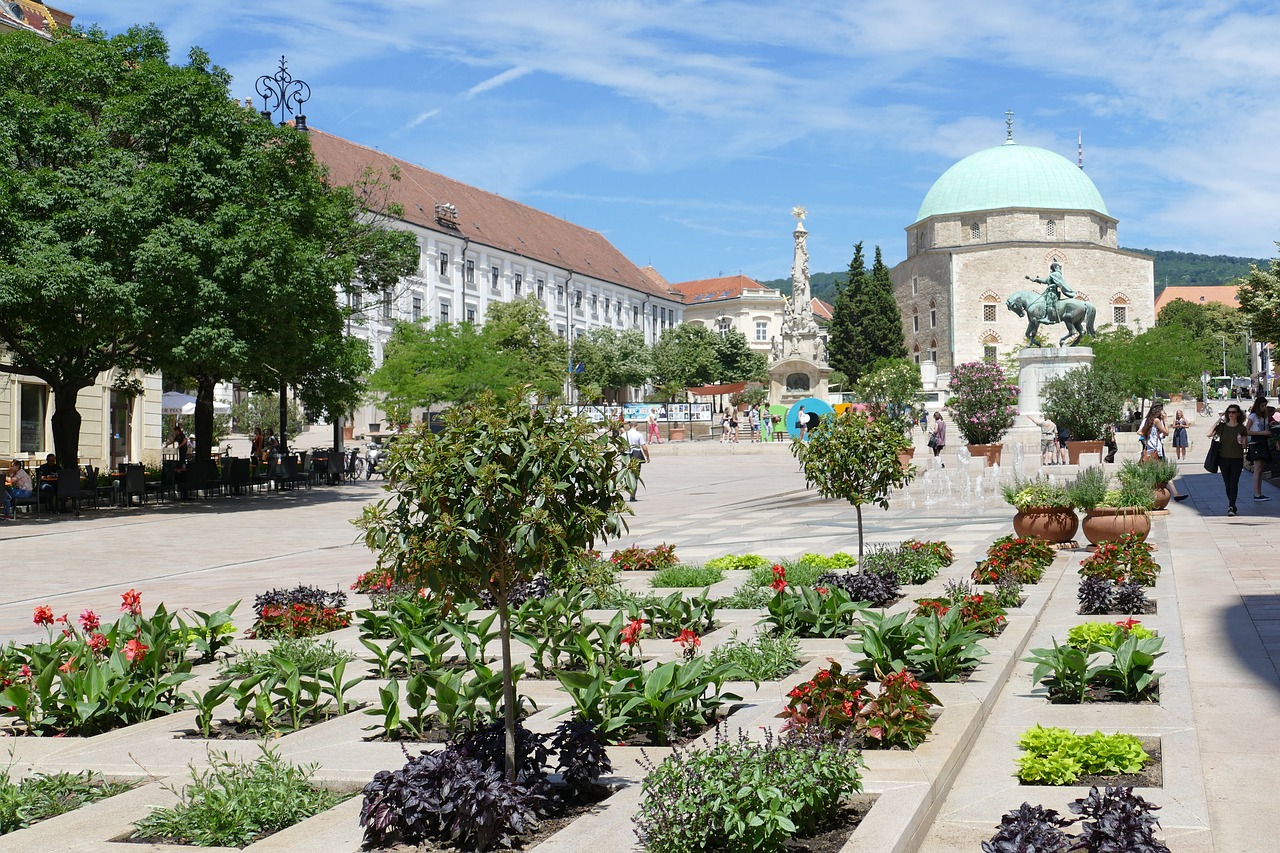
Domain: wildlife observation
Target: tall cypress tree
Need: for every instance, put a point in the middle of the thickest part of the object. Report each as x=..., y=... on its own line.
x=842, y=331
x=881, y=321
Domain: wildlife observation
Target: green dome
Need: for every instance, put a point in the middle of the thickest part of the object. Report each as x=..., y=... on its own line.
x=1012, y=175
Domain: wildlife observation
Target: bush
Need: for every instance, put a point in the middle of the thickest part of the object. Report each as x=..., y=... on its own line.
x=878, y=590
x=739, y=562
x=749, y=596
x=1029, y=829
x=983, y=402
x=1116, y=819
x=299, y=612
x=308, y=654
x=1084, y=401
x=836, y=702
x=686, y=576
x=1038, y=493
x=1126, y=559
x=1023, y=559
x=909, y=564
x=1089, y=489
x=1099, y=595
x=47, y=795
x=231, y=803
x=939, y=550
x=740, y=795
x=636, y=559
x=1059, y=757
x=766, y=657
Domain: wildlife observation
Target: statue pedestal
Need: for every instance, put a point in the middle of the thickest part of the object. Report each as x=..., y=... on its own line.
x=795, y=378
x=1037, y=365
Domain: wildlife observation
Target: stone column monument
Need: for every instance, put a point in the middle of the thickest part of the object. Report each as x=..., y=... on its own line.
x=798, y=363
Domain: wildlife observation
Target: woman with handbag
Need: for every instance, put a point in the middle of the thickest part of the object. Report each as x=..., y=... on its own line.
x=938, y=439
x=1259, y=453
x=1230, y=436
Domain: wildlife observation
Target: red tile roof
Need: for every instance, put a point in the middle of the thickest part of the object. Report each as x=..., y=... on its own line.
x=821, y=310
x=1224, y=293
x=714, y=289
x=484, y=217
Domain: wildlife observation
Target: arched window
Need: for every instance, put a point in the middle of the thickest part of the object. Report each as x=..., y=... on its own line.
x=915, y=319
x=798, y=382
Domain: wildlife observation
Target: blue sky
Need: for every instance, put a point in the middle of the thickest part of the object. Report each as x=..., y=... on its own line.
x=685, y=131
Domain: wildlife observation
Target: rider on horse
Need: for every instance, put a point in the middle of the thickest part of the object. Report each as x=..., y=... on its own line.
x=1056, y=287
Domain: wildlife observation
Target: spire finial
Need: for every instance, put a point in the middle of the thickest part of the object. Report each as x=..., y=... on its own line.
x=1008, y=125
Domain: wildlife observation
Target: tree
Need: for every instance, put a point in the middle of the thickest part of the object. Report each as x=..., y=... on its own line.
x=1209, y=323
x=521, y=331
x=503, y=493
x=610, y=361
x=262, y=411
x=738, y=361
x=854, y=456
x=1162, y=359
x=892, y=388
x=686, y=355
x=866, y=325
x=1260, y=301
x=1084, y=401
x=446, y=363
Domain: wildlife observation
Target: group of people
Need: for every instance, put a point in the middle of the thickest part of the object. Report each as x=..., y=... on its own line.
x=1243, y=440
x=758, y=418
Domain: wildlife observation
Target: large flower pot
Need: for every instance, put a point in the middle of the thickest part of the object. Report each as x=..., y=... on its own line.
x=989, y=452
x=1162, y=495
x=905, y=457
x=676, y=433
x=1106, y=524
x=1052, y=523
x=1075, y=448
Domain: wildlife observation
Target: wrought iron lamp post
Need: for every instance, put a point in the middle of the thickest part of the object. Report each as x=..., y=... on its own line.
x=282, y=94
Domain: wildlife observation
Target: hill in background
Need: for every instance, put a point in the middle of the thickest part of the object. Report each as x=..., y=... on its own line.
x=1172, y=269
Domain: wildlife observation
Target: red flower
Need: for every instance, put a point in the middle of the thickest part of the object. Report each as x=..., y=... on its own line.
x=135, y=651
x=1129, y=623
x=69, y=666
x=98, y=642
x=822, y=590
x=778, y=571
x=688, y=638
x=43, y=615
x=631, y=633
x=25, y=672
x=89, y=620
x=132, y=602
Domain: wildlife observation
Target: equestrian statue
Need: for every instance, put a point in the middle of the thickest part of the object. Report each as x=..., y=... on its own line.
x=1048, y=308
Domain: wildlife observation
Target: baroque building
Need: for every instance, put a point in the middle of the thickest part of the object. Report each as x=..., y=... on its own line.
x=741, y=303
x=993, y=218
x=478, y=248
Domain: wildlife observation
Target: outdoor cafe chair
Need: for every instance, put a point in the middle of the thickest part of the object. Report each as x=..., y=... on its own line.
x=135, y=483
x=68, y=489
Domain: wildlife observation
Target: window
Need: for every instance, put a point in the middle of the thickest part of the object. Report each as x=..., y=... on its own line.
x=417, y=308
x=386, y=306
x=595, y=306
x=915, y=285
x=988, y=312
x=517, y=281
x=975, y=231
x=723, y=325
x=1119, y=314
x=470, y=275
x=989, y=353
x=618, y=306
x=560, y=331
x=1051, y=229
x=933, y=351
x=915, y=322
x=560, y=295
x=444, y=311
x=31, y=418
x=444, y=264
x=541, y=286
x=471, y=313
x=635, y=315
x=357, y=302
x=933, y=318
x=762, y=330
x=606, y=308
x=493, y=277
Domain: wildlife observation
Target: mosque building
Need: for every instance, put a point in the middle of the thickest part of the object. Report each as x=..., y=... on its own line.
x=994, y=217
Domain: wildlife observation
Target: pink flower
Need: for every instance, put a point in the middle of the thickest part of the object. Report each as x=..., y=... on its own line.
x=98, y=642
x=135, y=651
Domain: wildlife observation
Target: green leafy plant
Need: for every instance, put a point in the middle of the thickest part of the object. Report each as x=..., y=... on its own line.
x=1085, y=401
x=670, y=615
x=309, y=654
x=909, y=564
x=983, y=402
x=741, y=794
x=767, y=657
x=231, y=803
x=749, y=596
x=832, y=699
x=686, y=576
x=1057, y=756
x=979, y=612
x=854, y=456
x=1127, y=559
x=797, y=572
x=1023, y=559
x=46, y=795
x=299, y=612
x=1067, y=672
x=1089, y=489
x=936, y=648
x=939, y=550
x=1089, y=635
x=1037, y=493
x=211, y=632
x=738, y=562
x=805, y=612
x=1076, y=675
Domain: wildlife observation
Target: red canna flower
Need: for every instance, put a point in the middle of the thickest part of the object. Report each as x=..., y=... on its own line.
x=43, y=615
x=98, y=642
x=25, y=672
x=135, y=651
x=69, y=666
x=132, y=602
x=631, y=634
x=89, y=620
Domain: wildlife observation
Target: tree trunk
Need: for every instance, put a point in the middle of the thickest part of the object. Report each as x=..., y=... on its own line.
x=66, y=423
x=284, y=416
x=859, y=509
x=508, y=685
x=203, y=429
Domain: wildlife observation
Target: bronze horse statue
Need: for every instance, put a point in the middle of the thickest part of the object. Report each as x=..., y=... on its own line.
x=1077, y=314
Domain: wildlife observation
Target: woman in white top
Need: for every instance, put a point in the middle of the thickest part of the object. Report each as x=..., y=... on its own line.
x=1259, y=452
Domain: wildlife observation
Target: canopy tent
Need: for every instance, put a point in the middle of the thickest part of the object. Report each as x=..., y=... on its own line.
x=177, y=403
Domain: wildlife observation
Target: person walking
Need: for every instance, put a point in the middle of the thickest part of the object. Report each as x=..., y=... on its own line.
x=766, y=424
x=638, y=453
x=1231, y=435
x=654, y=436
x=753, y=416
x=1180, y=442
x=802, y=423
x=1152, y=433
x=924, y=421
x=1258, y=426
x=939, y=438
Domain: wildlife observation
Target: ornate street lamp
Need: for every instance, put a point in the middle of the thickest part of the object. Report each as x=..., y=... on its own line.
x=284, y=95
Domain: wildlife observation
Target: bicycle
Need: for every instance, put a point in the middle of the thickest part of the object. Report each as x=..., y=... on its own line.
x=1208, y=409
x=355, y=465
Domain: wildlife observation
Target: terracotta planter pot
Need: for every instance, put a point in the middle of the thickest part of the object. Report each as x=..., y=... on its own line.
x=1162, y=495
x=989, y=452
x=348, y=432
x=1075, y=448
x=1107, y=524
x=905, y=457
x=676, y=434
x=1052, y=523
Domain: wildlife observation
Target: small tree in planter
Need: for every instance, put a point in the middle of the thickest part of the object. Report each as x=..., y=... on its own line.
x=1084, y=401
x=855, y=456
x=983, y=401
x=892, y=388
x=502, y=494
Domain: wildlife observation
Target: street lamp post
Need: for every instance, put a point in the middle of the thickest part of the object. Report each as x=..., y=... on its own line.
x=1224, y=354
x=282, y=94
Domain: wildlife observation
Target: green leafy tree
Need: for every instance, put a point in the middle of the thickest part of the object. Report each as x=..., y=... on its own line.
x=611, y=360
x=448, y=362
x=686, y=355
x=262, y=411
x=842, y=330
x=983, y=401
x=866, y=325
x=1084, y=401
x=521, y=331
x=1215, y=327
x=892, y=388
x=854, y=456
x=503, y=493
x=1162, y=359
x=1260, y=301
x=738, y=361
